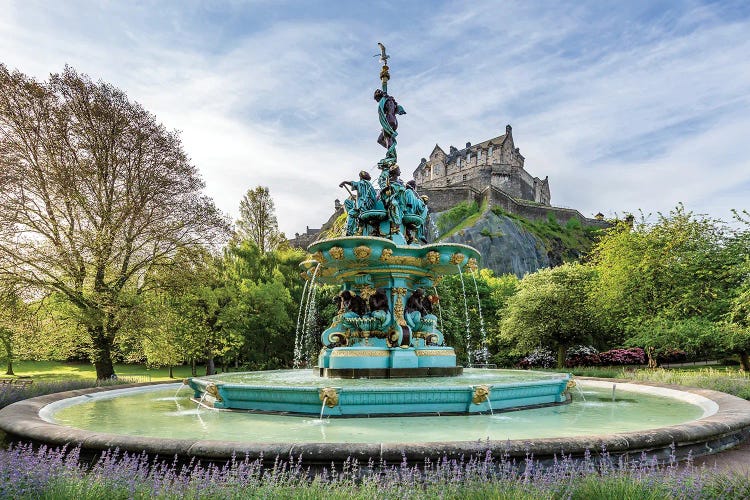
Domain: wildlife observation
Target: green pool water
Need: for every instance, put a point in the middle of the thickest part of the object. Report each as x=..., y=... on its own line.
x=157, y=412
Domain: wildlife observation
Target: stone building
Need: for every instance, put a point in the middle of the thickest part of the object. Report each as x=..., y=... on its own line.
x=493, y=163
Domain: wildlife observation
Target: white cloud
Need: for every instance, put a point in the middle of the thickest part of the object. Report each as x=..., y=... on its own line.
x=621, y=111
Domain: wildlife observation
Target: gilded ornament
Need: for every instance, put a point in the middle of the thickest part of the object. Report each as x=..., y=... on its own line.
x=571, y=383
x=367, y=291
x=336, y=252
x=457, y=258
x=362, y=252
x=481, y=394
x=359, y=353
x=433, y=257
x=212, y=390
x=398, y=305
x=472, y=265
x=387, y=256
x=435, y=352
x=329, y=395
x=318, y=256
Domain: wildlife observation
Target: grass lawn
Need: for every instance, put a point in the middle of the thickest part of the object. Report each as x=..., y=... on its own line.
x=52, y=371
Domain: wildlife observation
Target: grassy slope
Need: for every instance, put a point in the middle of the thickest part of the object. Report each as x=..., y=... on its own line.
x=51, y=371
x=576, y=239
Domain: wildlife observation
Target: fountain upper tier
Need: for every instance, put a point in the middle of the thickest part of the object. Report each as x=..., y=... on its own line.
x=361, y=261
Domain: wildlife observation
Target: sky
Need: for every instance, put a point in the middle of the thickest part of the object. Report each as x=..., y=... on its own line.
x=625, y=105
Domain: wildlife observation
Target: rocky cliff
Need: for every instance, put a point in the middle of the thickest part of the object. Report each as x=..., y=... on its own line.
x=510, y=244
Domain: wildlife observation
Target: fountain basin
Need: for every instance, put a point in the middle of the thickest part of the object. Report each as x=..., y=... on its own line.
x=479, y=391
x=141, y=418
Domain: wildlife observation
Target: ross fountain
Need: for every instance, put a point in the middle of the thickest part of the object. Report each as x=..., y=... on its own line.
x=384, y=358
x=385, y=327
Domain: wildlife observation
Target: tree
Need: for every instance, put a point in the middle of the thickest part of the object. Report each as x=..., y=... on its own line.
x=737, y=333
x=677, y=268
x=551, y=308
x=257, y=221
x=15, y=321
x=94, y=194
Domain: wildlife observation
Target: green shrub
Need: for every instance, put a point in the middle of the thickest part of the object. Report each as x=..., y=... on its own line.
x=456, y=215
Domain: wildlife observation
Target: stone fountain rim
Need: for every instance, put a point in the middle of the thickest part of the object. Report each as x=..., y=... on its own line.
x=726, y=428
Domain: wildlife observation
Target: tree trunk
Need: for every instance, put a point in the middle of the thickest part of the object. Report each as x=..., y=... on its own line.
x=651, y=358
x=561, y=351
x=10, y=366
x=171, y=374
x=193, y=369
x=102, y=354
x=744, y=361
x=210, y=368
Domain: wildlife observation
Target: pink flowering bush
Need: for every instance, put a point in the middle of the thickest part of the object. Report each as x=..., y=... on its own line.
x=619, y=357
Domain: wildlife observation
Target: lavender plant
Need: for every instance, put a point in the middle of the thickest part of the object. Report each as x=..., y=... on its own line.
x=26, y=472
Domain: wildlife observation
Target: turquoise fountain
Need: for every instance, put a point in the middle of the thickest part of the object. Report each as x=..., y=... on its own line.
x=383, y=359
x=385, y=327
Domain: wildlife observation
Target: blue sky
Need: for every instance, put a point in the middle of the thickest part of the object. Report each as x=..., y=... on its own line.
x=624, y=105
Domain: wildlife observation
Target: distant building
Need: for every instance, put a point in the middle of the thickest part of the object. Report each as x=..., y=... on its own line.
x=494, y=162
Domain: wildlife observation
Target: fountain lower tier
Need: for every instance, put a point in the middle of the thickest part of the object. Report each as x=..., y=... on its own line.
x=385, y=362
x=386, y=397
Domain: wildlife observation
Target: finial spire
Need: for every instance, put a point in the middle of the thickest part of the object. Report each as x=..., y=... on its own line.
x=384, y=74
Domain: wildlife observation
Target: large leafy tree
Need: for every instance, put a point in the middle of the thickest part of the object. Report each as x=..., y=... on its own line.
x=257, y=222
x=94, y=193
x=551, y=308
x=661, y=282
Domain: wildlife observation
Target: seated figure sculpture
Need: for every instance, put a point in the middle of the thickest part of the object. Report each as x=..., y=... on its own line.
x=392, y=195
x=367, y=212
x=415, y=213
x=351, y=310
x=352, y=215
x=419, y=317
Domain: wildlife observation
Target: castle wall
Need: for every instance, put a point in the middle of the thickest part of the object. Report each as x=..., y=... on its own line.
x=443, y=198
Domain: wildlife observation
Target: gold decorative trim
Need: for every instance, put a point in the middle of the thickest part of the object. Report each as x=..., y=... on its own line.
x=212, y=390
x=336, y=252
x=367, y=291
x=441, y=352
x=360, y=353
x=185, y=381
x=329, y=395
x=362, y=252
x=571, y=383
x=437, y=280
x=433, y=257
x=387, y=256
x=318, y=256
x=457, y=258
x=398, y=304
x=481, y=394
x=472, y=265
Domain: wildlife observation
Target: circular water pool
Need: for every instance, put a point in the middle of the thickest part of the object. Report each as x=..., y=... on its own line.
x=157, y=412
x=162, y=419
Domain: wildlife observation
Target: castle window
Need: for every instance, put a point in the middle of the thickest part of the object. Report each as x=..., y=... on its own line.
x=464, y=178
x=458, y=162
x=468, y=158
x=489, y=152
x=479, y=156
